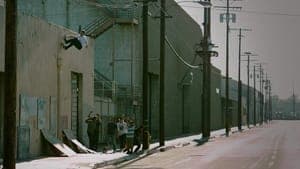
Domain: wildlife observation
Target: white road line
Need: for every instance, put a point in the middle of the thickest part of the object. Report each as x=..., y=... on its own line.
x=183, y=161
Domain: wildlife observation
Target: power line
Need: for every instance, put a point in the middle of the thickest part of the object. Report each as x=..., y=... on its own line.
x=179, y=57
x=267, y=13
x=252, y=11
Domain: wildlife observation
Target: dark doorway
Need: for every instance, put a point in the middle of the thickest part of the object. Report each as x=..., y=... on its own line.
x=76, y=112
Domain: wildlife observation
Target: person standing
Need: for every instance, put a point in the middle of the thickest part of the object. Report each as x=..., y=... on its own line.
x=122, y=130
x=137, y=139
x=112, y=131
x=93, y=123
x=129, y=138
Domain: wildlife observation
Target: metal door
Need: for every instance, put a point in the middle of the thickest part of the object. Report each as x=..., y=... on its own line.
x=75, y=103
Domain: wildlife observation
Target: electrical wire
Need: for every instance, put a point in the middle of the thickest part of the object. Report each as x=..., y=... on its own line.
x=179, y=57
x=250, y=11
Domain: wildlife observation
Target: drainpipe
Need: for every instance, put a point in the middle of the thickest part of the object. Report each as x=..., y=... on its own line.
x=59, y=65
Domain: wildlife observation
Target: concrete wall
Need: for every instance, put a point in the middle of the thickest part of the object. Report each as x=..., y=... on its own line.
x=118, y=56
x=233, y=92
x=44, y=72
x=182, y=102
x=2, y=38
x=217, y=116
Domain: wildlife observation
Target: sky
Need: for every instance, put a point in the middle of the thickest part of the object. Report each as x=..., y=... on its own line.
x=275, y=37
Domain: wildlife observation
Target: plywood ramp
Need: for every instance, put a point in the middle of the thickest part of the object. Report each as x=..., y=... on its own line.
x=58, y=147
x=71, y=141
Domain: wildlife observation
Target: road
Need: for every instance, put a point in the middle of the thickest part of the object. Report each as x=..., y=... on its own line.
x=276, y=146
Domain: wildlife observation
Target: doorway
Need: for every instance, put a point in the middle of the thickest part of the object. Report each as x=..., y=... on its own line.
x=76, y=104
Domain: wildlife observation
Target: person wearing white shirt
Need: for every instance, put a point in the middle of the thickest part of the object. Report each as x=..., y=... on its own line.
x=79, y=42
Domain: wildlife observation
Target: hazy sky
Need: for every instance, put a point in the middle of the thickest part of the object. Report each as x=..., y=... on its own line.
x=274, y=37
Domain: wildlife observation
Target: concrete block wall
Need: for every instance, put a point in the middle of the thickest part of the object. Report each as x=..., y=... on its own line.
x=44, y=71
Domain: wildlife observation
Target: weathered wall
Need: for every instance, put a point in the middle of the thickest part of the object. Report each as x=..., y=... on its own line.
x=2, y=31
x=182, y=102
x=217, y=116
x=44, y=72
x=233, y=93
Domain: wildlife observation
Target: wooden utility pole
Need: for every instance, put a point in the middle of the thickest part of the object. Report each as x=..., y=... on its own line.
x=9, y=158
x=206, y=75
x=227, y=113
x=254, y=95
x=145, y=75
x=240, y=84
x=239, y=77
x=248, y=54
x=228, y=17
x=162, y=74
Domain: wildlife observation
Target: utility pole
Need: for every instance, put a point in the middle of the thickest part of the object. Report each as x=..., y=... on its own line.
x=227, y=125
x=162, y=74
x=294, y=101
x=266, y=96
x=262, y=113
x=206, y=75
x=239, y=78
x=240, y=84
x=270, y=101
x=248, y=54
x=206, y=53
x=9, y=157
x=261, y=93
x=254, y=96
x=248, y=91
x=145, y=75
x=227, y=18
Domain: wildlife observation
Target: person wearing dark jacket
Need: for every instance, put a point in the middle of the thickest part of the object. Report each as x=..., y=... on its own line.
x=93, y=123
x=112, y=132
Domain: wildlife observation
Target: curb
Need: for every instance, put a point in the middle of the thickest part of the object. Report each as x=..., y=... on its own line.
x=139, y=155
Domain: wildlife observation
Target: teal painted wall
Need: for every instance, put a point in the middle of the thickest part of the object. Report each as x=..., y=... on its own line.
x=68, y=13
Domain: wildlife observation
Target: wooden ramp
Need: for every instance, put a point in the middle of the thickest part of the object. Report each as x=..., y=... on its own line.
x=71, y=140
x=59, y=148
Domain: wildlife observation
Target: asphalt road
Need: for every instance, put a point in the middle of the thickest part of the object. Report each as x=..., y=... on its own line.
x=276, y=146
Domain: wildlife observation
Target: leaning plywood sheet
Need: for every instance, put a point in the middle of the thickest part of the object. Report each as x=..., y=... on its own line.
x=60, y=148
x=75, y=144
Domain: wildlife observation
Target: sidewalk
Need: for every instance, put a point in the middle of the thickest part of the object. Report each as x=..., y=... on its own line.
x=88, y=161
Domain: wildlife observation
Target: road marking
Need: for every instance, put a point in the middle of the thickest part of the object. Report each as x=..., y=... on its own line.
x=255, y=164
x=183, y=161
